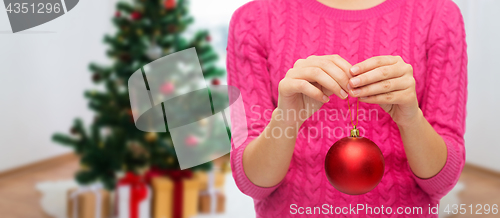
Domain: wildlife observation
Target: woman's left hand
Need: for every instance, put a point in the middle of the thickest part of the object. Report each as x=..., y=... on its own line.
x=387, y=81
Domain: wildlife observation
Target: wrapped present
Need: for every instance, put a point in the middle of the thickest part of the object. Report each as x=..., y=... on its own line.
x=226, y=167
x=212, y=203
x=133, y=197
x=218, y=180
x=89, y=202
x=212, y=199
x=175, y=193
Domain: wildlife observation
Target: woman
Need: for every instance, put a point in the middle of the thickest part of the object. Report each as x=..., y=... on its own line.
x=404, y=60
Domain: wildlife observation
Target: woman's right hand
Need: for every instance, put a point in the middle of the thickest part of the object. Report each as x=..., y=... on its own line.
x=308, y=85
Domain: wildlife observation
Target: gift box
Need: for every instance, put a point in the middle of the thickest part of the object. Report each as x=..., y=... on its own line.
x=223, y=163
x=212, y=199
x=206, y=205
x=89, y=202
x=133, y=197
x=203, y=178
x=175, y=194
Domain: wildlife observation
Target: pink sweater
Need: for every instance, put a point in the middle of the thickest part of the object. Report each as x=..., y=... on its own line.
x=266, y=37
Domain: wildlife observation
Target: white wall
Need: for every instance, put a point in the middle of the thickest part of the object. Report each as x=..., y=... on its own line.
x=215, y=15
x=43, y=75
x=483, y=108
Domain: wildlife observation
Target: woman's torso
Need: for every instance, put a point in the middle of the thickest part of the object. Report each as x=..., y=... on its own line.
x=298, y=29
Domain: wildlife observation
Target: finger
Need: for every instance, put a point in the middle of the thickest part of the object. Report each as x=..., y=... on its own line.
x=372, y=63
x=315, y=74
x=394, y=97
x=328, y=65
x=294, y=86
x=300, y=63
x=375, y=75
x=327, y=92
x=381, y=87
x=340, y=62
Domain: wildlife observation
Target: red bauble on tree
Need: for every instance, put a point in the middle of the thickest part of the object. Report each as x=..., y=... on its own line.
x=96, y=77
x=136, y=15
x=73, y=131
x=169, y=4
x=130, y=114
x=191, y=141
x=215, y=82
x=171, y=28
x=354, y=165
x=118, y=14
x=125, y=57
x=208, y=38
x=167, y=88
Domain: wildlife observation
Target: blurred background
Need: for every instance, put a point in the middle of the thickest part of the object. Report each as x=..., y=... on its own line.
x=45, y=72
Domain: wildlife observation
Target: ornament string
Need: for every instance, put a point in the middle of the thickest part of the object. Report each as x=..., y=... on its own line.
x=350, y=113
x=354, y=131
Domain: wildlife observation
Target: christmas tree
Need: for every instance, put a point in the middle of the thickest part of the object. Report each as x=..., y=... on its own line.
x=146, y=30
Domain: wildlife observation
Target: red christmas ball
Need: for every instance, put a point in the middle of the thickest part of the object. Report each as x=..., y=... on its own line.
x=96, y=77
x=216, y=82
x=125, y=57
x=171, y=28
x=167, y=88
x=191, y=141
x=135, y=15
x=118, y=14
x=208, y=38
x=130, y=114
x=169, y=4
x=354, y=165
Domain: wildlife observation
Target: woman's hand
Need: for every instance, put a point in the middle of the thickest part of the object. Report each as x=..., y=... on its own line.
x=387, y=81
x=309, y=84
x=304, y=89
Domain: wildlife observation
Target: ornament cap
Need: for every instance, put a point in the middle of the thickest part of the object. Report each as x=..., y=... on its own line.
x=354, y=132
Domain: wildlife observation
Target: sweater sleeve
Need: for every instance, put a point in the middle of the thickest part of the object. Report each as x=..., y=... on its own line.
x=247, y=71
x=444, y=105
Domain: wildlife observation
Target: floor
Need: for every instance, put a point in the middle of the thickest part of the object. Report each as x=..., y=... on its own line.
x=480, y=188
x=19, y=199
x=18, y=196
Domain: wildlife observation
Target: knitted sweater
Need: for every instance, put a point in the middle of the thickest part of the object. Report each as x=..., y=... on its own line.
x=265, y=39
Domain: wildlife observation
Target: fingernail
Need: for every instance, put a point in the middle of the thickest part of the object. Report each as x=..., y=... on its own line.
x=355, y=81
x=325, y=99
x=343, y=93
x=355, y=92
x=354, y=69
x=349, y=86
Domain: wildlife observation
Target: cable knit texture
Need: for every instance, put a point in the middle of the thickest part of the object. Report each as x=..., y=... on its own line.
x=266, y=37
